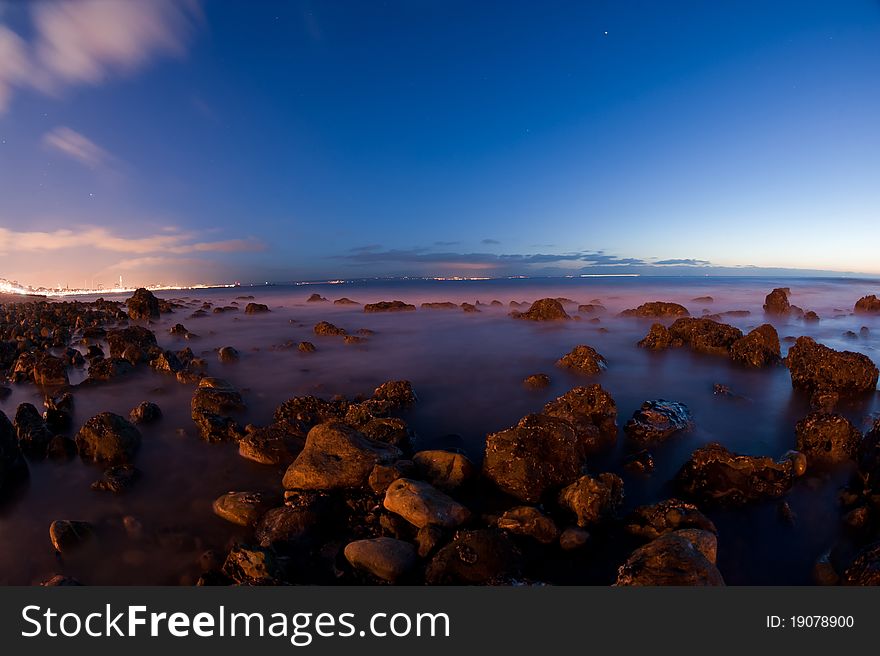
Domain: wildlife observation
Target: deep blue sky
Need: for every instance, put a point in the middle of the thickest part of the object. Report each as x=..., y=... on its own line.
x=297, y=140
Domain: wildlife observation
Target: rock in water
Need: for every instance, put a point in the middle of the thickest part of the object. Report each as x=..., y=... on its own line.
x=657, y=309
x=593, y=499
x=475, y=557
x=256, y=308
x=243, y=508
x=396, y=394
x=529, y=522
x=704, y=335
x=868, y=305
x=252, y=565
x=760, y=348
x=814, y=366
x=717, y=476
x=33, y=433
x=671, y=559
x=777, y=302
x=592, y=412
x=50, y=371
x=536, y=381
x=583, y=359
x=423, y=505
x=389, y=306
x=69, y=534
x=540, y=453
x=657, y=339
x=337, y=456
x=545, y=309
x=108, y=438
x=146, y=412
x=651, y=522
x=657, y=420
x=143, y=305
x=385, y=558
x=827, y=438
x=445, y=469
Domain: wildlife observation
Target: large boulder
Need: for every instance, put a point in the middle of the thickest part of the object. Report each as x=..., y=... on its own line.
x=704, y=335
x=657, y=339
x=827, y=438
x=777, y=303
x=243, y=508
x=13, y=467
x=583, y=359
x=50, y=371
x=868, y=305
x=143, y=305
x=424, y=505
x=217, y=396
x=657, y=309
x=385, y=558
x=592, y=412
x=475, y=557
x=336, y=456
x=276, y=444
x=671, y=559
x=395, y=394
x=389, y=306
x=134, y=343
x=446, y=470
x=108, y=438
x=593, y=499
x=715, y=475
x=539, y=454
x=760, y=348
x=528, y=521
x=33, y=434
x=545, y=309
x=657, y=420
x=816, y=367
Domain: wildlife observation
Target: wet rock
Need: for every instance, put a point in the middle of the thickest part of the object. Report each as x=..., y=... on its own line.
x=573, y=538
x=50, y=371
x=650, y=522
x=639, y=462
x=537, y=455
x=308, y=411
x=704, y=335
x=445, y=469
x=146, y=412
x=179, y=330
x=657, y=309
x=345, y=301
x=251, y=565
x=134, y=343
x=537, y=381
x=657, y=339
x=777, y=303
x=811, y=317
x=671, y=559
x=469, y=307
x=760, y=348
x=228, y=354
x=384, y=475
x=389, y=306
x=108, y=438
x=529, y=522
x=715, y=475
x=306, y=347
x=256, y=308
x=106, y=369
x=868, y=305
x=33, y=434
x=316, y=298
x=827, y=438
x=396, y=393
x=337, y=456
x=243, y=508
x=591, y=308
x=592, y=412
x=275, y=444
x=70, y=534
x=474, y=557
x=657, y=420
x=143, y=305
x=583, y=359
x=217, y=396
x=327, y=329
x=13, y=467
x=422, y=504
x=593, y=499
x=117, y=479
x=288, y=528
x=215, y=428
x=166, y=362
x=385, y=558
x=429, y=539
x=390, y=430
x=814, y=366
x=545, y=309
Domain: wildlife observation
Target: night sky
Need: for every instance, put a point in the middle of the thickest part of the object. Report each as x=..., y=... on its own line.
x=219, y=141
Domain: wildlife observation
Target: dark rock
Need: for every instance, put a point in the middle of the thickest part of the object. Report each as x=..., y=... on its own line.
x=146, y=412
x=327, y=329
x=671, y=559
x=760, y=348
x=396, y=393
x=345, y=301
x=591, y=308
x=50, y=371
x=287, y=528
x=657, y=420
x=389, y=306
x=865, y=568
x=650, y=522
x=537, y=381
x=143, y=305
x=422, y=504
x=714, y=475
x=573, y=538
x=827, y=438
x=336, y=456
x=811, y=317
x=133, y=343
x=33, y=434
x=385, y=558
x=390, y=430
x=591, y=411
x=593, y=499
x=309, y=410
x=60, y=581
x=108, y=438
x=70, y=534
x=353, y=339
x=253, y=566
x=276, y=444
x=243, y=508
x=256, y=308
x=106, y=369
x=657, y=339
x=384, y=475
x=61, y=448
x=228, y=354
x=306, y=347
x=814, y=366
x=217, y=396
x=583, y=359
x=166, y=362
x=777, y=303
x=316, y=298
x=539, y=454
x=657, y=309
x=545, y=309
x=640, y=462
x=703, y=299
x=445, y=469
x=469, y=307
x=868, y=305
x=474, y=557
x=117, y=479
x=529, y=522
x=704, y=335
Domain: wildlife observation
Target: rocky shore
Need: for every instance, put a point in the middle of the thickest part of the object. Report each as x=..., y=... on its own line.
x=352, y=496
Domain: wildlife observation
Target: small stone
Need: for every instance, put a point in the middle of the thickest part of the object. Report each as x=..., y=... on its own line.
x=384, y=558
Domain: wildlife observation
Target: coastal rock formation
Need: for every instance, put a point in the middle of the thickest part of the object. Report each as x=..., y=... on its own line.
x=117, y=479
x=243, y=508
x=108, y=438
x=443, y=305
x=336, y=456
x=424, y=505
x=591, y=308
x=316, y=298
x=657, y=420
x=537, y=381
x=593, y=499
x=389, y=306
x=539, y=454
x=475, y=557
x=715, y=475
x=146, y=412
x=251, y=565
x=276, y=444
x=133, y=343
x=445, y=469
x=385, y=558
x=305, y=347
x=777, y=303
x=143, y=305
x=704, y=335
x=530, y=522
x=816, y=367
x=545, y=309
x=327, y=329
x=827, y=438
x=868, y=305
x=650, y=522
x=256, y=308
x=583, y=359
x=671, y=559
x=345, y=301
x=657, y=309
x=68, y=535
x=657, y=339
x=591, y=411
x=50, y=371
x=212, y=402
x=228, y=354
x=396, y=394
x=32, y=432
x=760, y=348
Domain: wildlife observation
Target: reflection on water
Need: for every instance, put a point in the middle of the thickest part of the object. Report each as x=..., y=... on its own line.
x=467, y=369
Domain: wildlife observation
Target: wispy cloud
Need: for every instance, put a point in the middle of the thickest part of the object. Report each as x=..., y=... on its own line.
x=490, y=241
x=683, y=262
x=76, y=146
x=88, y=41
x=424, y=256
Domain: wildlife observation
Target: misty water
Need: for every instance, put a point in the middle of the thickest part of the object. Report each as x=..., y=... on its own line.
x=467, y=369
